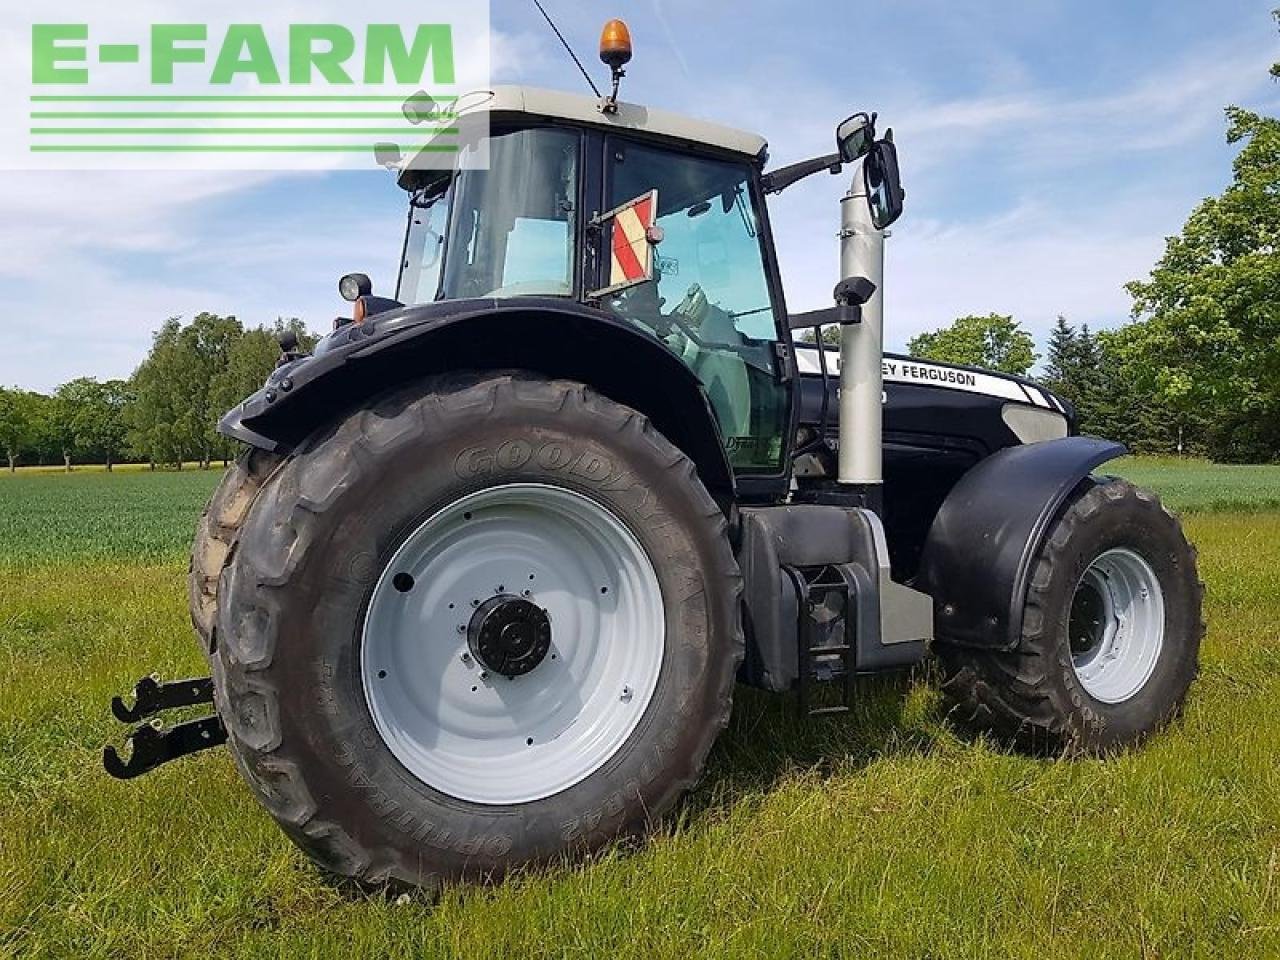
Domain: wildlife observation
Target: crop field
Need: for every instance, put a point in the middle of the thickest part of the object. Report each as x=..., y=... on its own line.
x=881, y=834
x=95, y=517
x=1193, y=486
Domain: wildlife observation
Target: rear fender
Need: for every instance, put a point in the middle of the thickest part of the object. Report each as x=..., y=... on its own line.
x=982, y=547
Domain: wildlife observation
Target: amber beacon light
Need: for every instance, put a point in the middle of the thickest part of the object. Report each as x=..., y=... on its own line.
x=615, y=45
x=615, y=51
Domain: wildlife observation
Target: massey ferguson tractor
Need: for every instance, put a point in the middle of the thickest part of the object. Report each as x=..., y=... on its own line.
x=478, y=591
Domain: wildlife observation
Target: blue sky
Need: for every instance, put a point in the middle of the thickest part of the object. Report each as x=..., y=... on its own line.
x=1047, y=148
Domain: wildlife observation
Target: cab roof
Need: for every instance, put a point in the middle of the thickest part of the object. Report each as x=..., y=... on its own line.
x=576, y=108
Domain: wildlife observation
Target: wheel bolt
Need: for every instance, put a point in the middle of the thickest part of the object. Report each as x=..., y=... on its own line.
x=466, y=657
x=475, y=603
x=626, y=694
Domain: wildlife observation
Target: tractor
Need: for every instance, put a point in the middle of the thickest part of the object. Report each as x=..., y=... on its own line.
x=478, y=591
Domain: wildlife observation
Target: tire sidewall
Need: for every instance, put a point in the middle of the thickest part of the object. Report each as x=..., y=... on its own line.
x=478, y=443
x=1131, y=524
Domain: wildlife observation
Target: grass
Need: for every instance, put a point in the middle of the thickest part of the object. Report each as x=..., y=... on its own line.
x=882, y=834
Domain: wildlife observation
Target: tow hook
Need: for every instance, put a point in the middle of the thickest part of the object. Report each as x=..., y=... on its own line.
x=152, y=744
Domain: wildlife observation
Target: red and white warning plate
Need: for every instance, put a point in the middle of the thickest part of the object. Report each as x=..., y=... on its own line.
x=631, y=242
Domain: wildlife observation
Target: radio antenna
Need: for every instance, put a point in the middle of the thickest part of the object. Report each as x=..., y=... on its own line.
x=565, y=43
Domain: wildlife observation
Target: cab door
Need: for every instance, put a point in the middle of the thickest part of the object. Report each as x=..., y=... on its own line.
x=712, y=299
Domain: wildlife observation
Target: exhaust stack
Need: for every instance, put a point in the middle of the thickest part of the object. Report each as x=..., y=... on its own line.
x=862, y=344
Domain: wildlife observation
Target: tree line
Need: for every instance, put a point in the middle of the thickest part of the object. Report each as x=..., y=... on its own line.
x=165, y=414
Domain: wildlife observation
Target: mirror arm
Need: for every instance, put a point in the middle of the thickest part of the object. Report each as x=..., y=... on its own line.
x=851, y=295
x=779, y=180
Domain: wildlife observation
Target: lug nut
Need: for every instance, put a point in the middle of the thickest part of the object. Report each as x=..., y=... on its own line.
x=626, y=694
x=466, y=657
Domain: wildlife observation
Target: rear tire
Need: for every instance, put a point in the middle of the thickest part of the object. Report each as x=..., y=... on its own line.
x=1111, y=632
x=302, y=631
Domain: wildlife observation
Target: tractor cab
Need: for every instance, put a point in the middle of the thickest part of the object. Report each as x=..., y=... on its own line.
x=654, y=219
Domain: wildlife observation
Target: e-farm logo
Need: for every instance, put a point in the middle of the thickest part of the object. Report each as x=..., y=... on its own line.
x=249, y=94
x=323, y=50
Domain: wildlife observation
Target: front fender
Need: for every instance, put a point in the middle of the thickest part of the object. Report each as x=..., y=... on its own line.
x=983, y=544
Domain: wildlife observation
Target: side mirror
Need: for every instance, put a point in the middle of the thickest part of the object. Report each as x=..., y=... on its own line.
x=354, y=286
x=856, y=136
x=885, y=195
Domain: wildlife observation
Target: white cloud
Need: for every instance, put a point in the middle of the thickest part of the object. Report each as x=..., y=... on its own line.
x=1033, y=264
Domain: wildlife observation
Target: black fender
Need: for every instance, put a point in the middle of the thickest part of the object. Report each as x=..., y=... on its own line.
x=979, y=554
x=546, y=335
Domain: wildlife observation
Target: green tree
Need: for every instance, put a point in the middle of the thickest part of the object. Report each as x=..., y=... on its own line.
x=1120, y=408
x=155, y=420
x=97, y=419
x=1059, y=361
x=1207, y=336
x=60, y=416
x=1077, y=370
x=191, y=377
x=250, y=360
x=206, y=351
x=993, y=342
x=19, y=424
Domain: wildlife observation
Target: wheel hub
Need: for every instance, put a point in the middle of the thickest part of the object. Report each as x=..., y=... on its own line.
x=509, y=635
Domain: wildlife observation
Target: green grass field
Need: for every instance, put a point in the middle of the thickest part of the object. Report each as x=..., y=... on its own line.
x=881, y=834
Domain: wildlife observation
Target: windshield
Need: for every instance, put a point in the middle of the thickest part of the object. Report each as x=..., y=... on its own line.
x=509, y=229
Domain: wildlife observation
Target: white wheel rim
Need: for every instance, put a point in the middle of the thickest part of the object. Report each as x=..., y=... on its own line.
x=1116, y=626
x=473, y=733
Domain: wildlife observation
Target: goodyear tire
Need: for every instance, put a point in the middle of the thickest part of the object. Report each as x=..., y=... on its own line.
x=217, y=533
x=477, y=625
x=1111, y=632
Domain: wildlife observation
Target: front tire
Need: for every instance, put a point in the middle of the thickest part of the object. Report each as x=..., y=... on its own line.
x=1111, y=632
x=351, y=666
